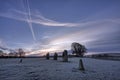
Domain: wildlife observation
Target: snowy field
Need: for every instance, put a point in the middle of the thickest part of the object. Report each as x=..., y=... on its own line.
x=41, y=69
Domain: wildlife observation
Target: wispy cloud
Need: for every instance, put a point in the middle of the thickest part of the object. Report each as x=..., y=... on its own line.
x=3, y=46
x=39, y=19
x=2, y=43
x=29, y=19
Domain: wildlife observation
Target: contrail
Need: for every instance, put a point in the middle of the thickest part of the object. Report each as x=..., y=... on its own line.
x=29, y=20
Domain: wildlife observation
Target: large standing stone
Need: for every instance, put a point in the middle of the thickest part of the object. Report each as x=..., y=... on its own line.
x=65, y=56
x=20, y=61
x=47, y=56
x=55, y=56
x=81, y=66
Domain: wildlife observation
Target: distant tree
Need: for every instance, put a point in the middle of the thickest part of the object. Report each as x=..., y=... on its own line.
x=11, y=54
x=78, y=49
x=21, y=52
x=105, y=55
x=99, y=55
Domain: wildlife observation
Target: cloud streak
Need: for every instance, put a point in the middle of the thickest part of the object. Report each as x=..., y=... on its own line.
x=41, y=20
x=29, y=19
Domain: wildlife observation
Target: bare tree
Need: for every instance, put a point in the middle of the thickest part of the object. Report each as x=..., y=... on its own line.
x=21, y=52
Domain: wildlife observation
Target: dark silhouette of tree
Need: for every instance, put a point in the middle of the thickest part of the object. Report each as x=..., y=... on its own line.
x=105, y=55
x=78, y=49
x=21, y=52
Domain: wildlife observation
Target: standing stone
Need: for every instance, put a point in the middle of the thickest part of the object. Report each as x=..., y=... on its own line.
x=81, y=66
x=20, y=61
x=47, y=56
x=65, y=56
x=55, y=56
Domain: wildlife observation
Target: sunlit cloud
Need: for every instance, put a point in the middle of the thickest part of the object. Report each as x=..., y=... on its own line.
x=89, y=37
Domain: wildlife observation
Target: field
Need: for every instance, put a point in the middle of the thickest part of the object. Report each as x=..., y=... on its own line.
x=42, y=69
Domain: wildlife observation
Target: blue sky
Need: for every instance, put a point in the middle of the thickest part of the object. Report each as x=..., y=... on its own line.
x=52, y=25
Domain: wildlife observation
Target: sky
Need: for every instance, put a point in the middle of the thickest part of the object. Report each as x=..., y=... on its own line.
x=40, y=26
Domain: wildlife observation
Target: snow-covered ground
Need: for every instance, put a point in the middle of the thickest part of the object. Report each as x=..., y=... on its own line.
x=41, y=69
